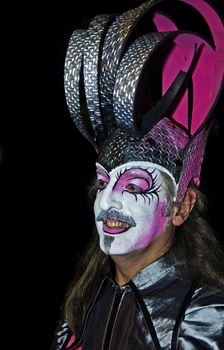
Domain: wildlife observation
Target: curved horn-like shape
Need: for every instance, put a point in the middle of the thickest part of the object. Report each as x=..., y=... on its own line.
x=132, y=65
x=171, y=96
x=72, y=81
x=91, y=68
x=105, y=66
x=114, y=47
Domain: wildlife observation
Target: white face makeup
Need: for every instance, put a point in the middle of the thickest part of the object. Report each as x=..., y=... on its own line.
x=130, y=206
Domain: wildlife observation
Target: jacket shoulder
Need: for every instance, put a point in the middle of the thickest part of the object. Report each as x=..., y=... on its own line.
x=203, y=323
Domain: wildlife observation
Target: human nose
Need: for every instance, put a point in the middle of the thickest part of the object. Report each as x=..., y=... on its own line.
x=110, y=199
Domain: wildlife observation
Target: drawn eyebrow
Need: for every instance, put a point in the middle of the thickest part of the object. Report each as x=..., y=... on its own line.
x=118, y=176
x=135, y=172
x=120, y=173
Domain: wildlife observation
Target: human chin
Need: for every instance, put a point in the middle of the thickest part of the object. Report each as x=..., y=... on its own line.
x=113, y=244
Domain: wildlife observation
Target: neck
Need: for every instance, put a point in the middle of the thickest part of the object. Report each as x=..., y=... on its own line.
x=128, y=265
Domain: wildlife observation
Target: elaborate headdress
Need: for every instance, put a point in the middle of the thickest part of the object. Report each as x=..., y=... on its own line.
x=142, y=92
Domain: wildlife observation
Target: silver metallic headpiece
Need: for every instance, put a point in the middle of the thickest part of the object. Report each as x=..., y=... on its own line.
x=147, y=95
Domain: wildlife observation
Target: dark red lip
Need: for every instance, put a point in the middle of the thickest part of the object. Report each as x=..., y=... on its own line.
x=119, y=228
x=114, y=230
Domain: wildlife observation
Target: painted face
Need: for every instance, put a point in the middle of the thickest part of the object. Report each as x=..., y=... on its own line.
x=130, y=206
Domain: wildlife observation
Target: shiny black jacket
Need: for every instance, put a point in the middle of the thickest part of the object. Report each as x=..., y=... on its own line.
x=159, y=309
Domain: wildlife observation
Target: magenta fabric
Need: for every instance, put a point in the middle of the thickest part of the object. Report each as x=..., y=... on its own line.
x=208, y=73
x=71, y=341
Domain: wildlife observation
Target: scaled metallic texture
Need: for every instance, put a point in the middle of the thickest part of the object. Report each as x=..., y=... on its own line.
x=104, y=68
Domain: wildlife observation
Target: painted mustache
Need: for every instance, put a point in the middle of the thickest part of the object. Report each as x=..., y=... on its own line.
x=114, y=215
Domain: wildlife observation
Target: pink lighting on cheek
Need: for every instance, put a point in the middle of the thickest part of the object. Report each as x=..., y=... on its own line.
x=156, y=225
x=161, y=219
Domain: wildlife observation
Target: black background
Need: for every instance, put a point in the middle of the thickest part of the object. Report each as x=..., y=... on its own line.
x=47, y=165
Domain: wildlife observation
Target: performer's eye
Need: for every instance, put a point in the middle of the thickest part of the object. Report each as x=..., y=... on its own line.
x=133, y=188
x=137, y=185
x=102, y=181
x=146, y=186
x=101, y=184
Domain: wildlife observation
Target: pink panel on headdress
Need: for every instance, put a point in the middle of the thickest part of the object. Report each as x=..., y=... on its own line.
x=213, y=20
x=217, y=29
x=208, y=73
x=203, y=79
x=163, y=23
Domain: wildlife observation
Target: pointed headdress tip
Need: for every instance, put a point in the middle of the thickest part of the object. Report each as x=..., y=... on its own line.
x=149, y=94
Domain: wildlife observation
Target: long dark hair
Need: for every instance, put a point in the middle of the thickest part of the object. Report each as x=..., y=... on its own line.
x=194, y=244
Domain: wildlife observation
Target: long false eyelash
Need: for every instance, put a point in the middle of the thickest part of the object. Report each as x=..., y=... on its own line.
x=121, y=172
x=154, y=190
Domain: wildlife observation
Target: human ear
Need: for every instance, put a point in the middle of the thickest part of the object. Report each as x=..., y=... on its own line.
x=182, y=212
